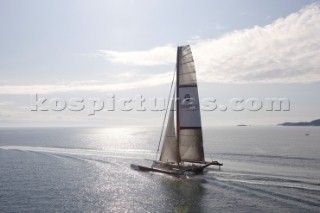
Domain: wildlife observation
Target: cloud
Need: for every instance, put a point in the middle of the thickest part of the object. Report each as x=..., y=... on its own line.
x=6, y=103
x=77, y=86
x=157, y=56
x=285, y=51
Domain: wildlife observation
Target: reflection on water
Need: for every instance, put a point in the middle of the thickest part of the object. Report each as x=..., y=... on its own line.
x=88, y=170
x=184, y=195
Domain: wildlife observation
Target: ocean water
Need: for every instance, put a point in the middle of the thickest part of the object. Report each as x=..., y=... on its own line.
x=266, y=169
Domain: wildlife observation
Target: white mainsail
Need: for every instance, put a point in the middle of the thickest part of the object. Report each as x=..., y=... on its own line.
x=170, y=149
x=187, y=143
x=188, y=109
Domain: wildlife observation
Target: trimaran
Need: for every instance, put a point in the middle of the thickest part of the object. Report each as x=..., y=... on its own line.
x=182, y=149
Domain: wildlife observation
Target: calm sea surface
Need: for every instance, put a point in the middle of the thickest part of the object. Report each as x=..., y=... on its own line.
x=266, y=169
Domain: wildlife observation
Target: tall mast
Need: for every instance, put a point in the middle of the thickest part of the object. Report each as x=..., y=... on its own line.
x=178, y=97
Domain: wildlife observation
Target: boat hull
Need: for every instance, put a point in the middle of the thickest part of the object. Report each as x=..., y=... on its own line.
x=150, y=169
x=174, y=169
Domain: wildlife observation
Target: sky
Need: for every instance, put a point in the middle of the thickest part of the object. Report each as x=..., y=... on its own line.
x=119, y=50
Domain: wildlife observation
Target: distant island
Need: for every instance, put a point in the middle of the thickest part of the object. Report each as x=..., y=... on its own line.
x=242, y=125
x=312, y=123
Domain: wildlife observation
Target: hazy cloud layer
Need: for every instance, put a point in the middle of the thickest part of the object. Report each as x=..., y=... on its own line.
x=286, y=51
x=157, y=56
x=86, y=86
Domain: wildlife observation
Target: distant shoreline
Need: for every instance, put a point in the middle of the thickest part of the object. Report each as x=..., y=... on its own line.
x=311, y=123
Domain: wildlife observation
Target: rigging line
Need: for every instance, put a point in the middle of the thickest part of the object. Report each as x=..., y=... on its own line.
x=165, y=115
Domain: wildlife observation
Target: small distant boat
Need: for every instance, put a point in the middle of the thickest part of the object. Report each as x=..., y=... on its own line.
x=182, y=149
